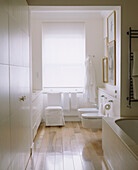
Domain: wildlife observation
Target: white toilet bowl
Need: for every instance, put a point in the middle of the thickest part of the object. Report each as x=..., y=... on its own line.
x=91, y=118
x=92, y=121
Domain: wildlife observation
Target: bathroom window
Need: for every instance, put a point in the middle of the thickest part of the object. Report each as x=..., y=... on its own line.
x=63, y=55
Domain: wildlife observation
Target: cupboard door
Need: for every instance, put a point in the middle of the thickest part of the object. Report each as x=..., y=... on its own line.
x=4, y=118
x=3, y=36
x=20, y=116
x=19, y=45
x=25, y=49
x=15, y=43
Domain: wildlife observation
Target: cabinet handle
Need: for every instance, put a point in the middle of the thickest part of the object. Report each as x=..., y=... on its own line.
x=22, y=98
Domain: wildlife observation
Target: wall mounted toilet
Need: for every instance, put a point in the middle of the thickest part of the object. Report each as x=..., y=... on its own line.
x=91, y=118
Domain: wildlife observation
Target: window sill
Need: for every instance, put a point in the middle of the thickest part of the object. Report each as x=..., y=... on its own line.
x=63, y=89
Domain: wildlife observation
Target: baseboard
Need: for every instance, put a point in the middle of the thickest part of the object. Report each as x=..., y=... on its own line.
x=72, y=118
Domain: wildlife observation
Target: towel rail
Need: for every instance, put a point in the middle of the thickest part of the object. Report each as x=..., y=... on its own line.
x=130, y=98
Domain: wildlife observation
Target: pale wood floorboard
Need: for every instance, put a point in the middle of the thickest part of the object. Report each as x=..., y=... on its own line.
x=70, y=147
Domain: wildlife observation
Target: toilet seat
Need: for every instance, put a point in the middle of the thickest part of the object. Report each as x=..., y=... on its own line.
x=87, y=110
x=92, y=116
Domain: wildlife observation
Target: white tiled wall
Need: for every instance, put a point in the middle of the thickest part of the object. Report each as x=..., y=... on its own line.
x=14, y=83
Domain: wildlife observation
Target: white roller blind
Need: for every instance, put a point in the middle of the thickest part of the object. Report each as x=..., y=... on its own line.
x=63, y=54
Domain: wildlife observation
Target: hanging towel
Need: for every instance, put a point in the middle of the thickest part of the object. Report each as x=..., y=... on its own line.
x=66, y=104
x=135, y=64
x=135, y=87
x=73, y=101
x=90, y=81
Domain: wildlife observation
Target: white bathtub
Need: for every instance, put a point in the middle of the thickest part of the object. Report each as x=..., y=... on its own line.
x=130, y=127
x=120, y=143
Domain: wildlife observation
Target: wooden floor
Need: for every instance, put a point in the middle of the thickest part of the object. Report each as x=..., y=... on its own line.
x=67, y=148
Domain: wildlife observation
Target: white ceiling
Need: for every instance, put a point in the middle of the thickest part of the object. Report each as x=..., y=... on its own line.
x=82, y=11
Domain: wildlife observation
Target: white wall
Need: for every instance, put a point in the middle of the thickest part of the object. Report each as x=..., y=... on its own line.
x=94, y=40
x=95, y=45
x=129, y=15
x=111, y=88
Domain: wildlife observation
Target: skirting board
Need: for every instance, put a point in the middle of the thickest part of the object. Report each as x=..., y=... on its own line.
x=68, y=118
x=72, y=118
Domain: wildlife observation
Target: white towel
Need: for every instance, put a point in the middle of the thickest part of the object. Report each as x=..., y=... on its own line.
x=135, y=87
x=66, y=103
x=73, y=101
x=135, y=63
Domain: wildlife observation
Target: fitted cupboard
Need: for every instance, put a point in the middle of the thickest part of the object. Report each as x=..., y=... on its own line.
x=15, y=113
x=37, y=111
